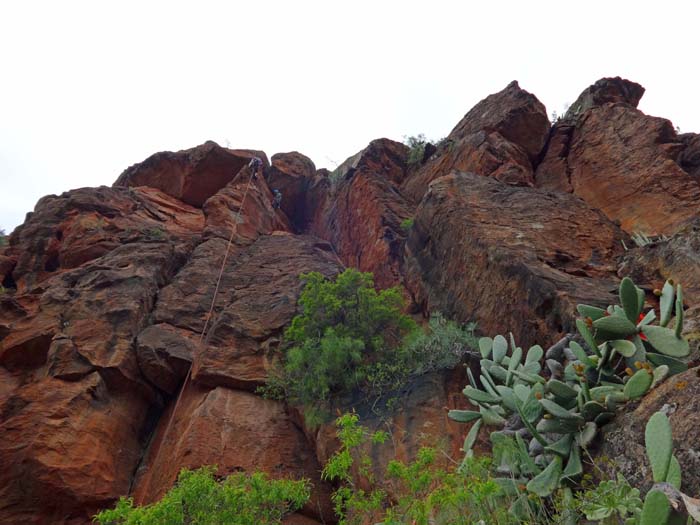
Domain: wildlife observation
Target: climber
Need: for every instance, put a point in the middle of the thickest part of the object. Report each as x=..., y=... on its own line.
x=278, y=198
x=255, y=164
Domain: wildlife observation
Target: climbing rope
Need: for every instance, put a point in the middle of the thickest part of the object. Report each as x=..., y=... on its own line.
x=254, y=164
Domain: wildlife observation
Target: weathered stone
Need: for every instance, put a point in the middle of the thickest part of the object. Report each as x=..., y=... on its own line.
x=191, y=175
x=79, y=226
x=514, y=113
x=623, y=440
x=237, y=431
x=485, y=154
x=364, y=210
x=67, y=449
x=604, y=91
x=622, y=162
x=256, y=300
x=291, y=173
x=165, y=354
x=510, y=258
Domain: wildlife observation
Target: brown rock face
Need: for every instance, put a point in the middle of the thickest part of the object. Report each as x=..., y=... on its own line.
x=489, y=155
x=236, y=431
x=511, y=258
x=501, y=137
x=291, y=174
x=67, y=448
x=362, y=214
x=107, y=292
x=621, y=161
x=514, y=113
x=191, y=175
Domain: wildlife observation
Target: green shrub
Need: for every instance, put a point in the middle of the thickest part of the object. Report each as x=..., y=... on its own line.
x=425, y=491
x=443, y=345
x=3, y=237
x=199, y=499
x=407, y=224
x=416, y=148
x=347, y=337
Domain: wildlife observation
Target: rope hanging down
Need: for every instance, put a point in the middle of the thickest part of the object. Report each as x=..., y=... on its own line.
x=255, y=164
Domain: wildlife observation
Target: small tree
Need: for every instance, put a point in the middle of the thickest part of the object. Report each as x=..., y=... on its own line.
x=347, y=333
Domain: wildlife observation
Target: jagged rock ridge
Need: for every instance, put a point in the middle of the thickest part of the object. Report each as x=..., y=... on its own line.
x=515, y=221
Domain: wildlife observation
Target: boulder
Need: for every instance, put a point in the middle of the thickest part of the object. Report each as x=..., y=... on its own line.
x=487, y=154
x=67, y=449
x=237, y=431
x=79, y=226
x=256, y=300
x=510, y=258
x=514, y=113
x=192, y=175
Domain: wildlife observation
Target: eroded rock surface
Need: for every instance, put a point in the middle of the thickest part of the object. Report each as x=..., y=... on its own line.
x=510, y=258
x=621, y=161
x=114, y=374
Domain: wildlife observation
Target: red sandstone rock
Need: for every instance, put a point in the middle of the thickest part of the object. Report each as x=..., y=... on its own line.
x=510, y=258
x=484, y=154
x=363, y=211
x=191, y=175
x=67, y=449
x=236, y=431
x=514, y=113
x=291, y=173
x=69, y=230
x=621, y=161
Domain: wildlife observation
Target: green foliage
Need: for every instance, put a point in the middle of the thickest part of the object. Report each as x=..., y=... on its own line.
x=443, y=345
x=424, y=491
x=610, y=502
x=407, y=224
x=416, y=151
x=199, y=499
x=553, y=418
x=348, y=337
x=155, y=232
x=3, y=237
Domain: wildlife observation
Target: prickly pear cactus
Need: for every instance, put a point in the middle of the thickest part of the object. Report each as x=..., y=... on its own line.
x=547, y=417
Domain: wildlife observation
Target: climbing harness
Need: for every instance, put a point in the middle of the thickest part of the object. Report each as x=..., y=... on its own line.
x=255, y=163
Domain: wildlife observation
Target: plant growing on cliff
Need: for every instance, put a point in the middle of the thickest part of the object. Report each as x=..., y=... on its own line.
x=548, y=422
x=199, y=498
x=416, y=148
x=347, y=333
x=429, y=490
x=3, y=237
x=407, y=224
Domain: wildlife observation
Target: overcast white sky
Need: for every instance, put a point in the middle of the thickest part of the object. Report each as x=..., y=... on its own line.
x=89, y=88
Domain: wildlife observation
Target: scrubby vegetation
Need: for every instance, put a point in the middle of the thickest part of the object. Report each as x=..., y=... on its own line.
x=407, y=224
x=352, y=340
x=198, y=498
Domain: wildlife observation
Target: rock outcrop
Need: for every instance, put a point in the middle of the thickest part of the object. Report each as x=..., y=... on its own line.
x=124, y=357
x=501, y=137
x=510, y=258
x=622, y=162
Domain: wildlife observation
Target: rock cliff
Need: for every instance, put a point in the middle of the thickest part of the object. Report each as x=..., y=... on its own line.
x=109, y=388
